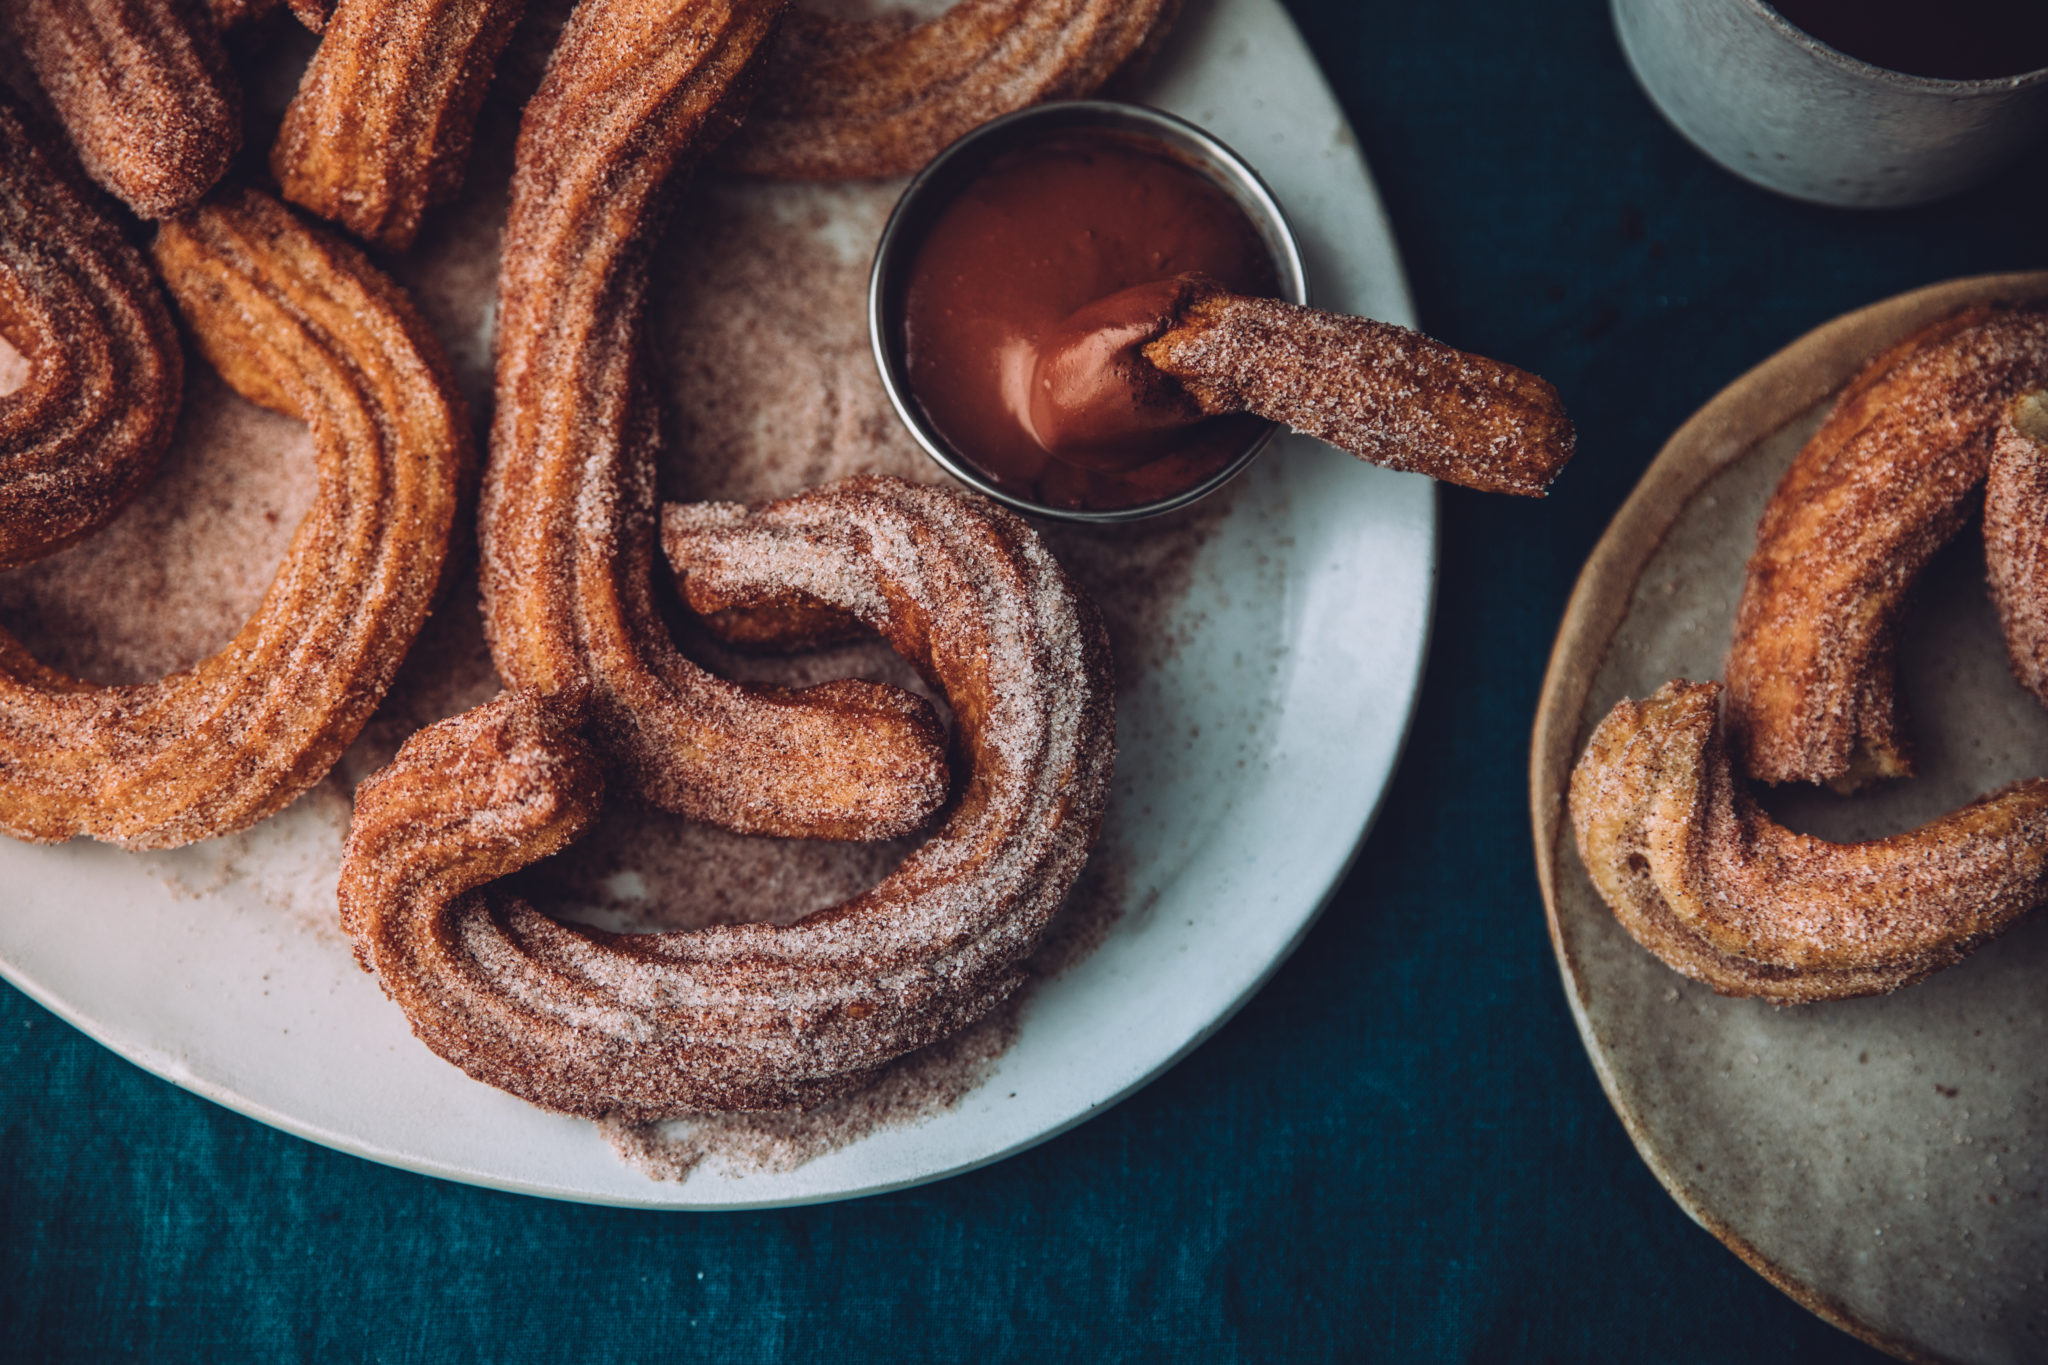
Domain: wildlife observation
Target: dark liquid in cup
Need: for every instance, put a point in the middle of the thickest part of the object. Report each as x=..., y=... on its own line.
x=1957, y=40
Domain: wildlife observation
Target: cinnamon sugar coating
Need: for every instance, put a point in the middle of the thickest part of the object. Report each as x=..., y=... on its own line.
x=86, y=430
x=1709, y=883
x=755, y=1016
x=850, y=99
x=1883, y=484
x=381, y=126
x=1386, y=394
x=2016, y=537
x=143, y=88
x=636, y=90
x=301, y=324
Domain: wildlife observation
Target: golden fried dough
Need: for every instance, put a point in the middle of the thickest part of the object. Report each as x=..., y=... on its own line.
x=380, y=128
x=1880, y=487
x=1384, y=393
x=754, y=1016
x=86, y=430
x=856, y=99
x=636, y=92
x=304, y=325
x=143, y=88
x=2016, y=537
x=1718, y=890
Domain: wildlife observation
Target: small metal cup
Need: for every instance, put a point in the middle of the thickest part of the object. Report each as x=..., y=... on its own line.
x=935, y=186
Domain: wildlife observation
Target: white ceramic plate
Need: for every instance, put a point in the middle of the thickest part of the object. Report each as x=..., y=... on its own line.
x=1250, y=768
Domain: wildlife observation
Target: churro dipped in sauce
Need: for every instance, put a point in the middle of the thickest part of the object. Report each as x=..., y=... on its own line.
x=1090, y=323
x=1022, y=342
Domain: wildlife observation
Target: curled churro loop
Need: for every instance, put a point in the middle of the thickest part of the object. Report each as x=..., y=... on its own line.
x=1710, y=884
x=852, y=100
x=86, y=430
x=756, y=1015
x=381, y=126
x=1882, y=485
x=636, y=89
x=143, y=88
x=303, y=325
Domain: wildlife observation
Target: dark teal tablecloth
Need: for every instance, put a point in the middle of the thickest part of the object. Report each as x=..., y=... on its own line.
x=1398, y=1151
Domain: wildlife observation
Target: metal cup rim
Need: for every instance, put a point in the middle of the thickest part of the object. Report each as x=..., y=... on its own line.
x=927, y=191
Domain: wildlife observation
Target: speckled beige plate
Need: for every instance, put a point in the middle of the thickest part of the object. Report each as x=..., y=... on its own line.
x=1881, y=1161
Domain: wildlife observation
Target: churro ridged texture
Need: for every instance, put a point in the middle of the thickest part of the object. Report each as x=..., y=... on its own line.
x=1386, y=394
x=754, y=1016
x=638, y=89
x=381, y=126
x=302, y=324
x=143, y=88
x=1884, y=483
x=2016, y=537
x=1705, y=880
x=86, y=430
x=855, y=99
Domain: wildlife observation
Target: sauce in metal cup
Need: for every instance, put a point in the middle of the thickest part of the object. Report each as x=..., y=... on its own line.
x=1231, y=444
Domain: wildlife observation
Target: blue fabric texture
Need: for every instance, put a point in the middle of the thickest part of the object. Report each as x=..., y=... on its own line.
x=1398, y=1151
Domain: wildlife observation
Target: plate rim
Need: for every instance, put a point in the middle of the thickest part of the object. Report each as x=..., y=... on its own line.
x=1759, y=402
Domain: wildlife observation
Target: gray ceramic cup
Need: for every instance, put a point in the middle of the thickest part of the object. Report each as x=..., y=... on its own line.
x=1790, y=113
